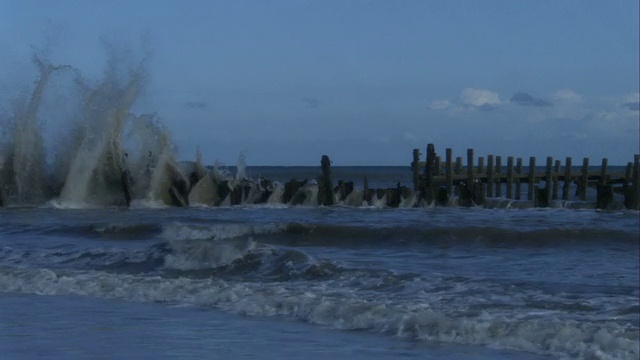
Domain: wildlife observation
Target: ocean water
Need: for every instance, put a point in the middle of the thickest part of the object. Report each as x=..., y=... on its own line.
x=265, y=281
x=82, y=275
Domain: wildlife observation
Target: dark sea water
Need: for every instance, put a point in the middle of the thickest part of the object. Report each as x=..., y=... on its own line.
x=275, y=281
x=83, y=277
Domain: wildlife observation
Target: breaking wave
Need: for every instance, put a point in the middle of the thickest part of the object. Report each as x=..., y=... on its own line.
x=340, y=308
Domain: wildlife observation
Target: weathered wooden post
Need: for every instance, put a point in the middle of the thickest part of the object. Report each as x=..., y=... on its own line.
x=567, y=179
x=448, y=174
x=490, y=175
x=532, y=177
x=542, y=194
x=498, y=171
x=548, y=179
x=428, y=173
x=556, y=171
x=480, y=165
x=581, y=191
x=603, y=170
x=510, y=177
x=627, y=188
x=470, y=168
x=416, y=169
x=458, y=169
x=325, y=185
x=518, y=182
x=604, y=194
x=394, y=196
x=466, y=190
x=368, y=193
x=125, y=182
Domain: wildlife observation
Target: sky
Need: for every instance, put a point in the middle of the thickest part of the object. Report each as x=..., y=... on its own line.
x=365, y=82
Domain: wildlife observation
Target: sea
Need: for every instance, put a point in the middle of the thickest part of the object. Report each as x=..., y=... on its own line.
x=95, y=263
x=274, y=281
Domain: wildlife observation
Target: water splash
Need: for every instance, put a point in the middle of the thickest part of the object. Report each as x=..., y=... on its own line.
x=101, y=142
x=95, y=172
x=24, y=167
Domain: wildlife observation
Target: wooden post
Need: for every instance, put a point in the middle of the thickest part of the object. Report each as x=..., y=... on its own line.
x=470, y=168
x=458, y=169
x=428, y=173
x=582, y=182
x=448, y=175
x=518, y=172
x=465, y=189
x=325, y=185
x=510, y=177
x=416, y=169
x=366, y=193
x=567, y=179
x=489, y=176
x=604, y=195
x=556, y=171
x=498, y=171
x=480, y=165
x=532, y=177
x=603, y=171
x=548, y=174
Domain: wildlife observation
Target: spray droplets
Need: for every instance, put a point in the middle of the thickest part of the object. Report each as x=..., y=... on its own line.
x=86, y=166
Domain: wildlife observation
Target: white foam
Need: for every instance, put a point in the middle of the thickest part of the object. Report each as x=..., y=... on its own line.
x=340, y=308
x=70, y=205
x=379, y=203
x=330, y=305
x=148, y=204
x=276, y=196
x=181, y=232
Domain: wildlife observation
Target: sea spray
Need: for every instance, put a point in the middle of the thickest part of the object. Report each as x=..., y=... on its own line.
x=161, y=178
x=97, y=141
x=94, y=176
x=146, y=141
x=201, y=171
x=27, y=152
x=241, y=167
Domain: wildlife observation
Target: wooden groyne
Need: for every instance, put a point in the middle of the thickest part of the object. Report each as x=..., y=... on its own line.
x=483, y=181
x=473, y=184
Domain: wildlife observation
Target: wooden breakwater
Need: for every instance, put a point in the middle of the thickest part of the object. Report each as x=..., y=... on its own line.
x=481, y=182
x=438, y=181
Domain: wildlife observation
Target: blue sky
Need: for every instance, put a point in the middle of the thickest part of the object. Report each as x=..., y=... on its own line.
x=364, y=82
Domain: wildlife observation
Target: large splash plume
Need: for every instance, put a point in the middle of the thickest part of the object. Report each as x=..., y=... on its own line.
x=102, y=147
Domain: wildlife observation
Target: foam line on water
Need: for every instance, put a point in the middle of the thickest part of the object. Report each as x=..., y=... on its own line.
x=340, y=309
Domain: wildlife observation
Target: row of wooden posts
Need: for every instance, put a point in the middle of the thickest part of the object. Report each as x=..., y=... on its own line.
x=475, y=183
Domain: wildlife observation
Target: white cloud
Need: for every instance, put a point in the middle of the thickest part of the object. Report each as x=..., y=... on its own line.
x=439, y=105
x=632, y=98
x=478, y=97
x=567, y=96
x=631, y=102
x=616, y=123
